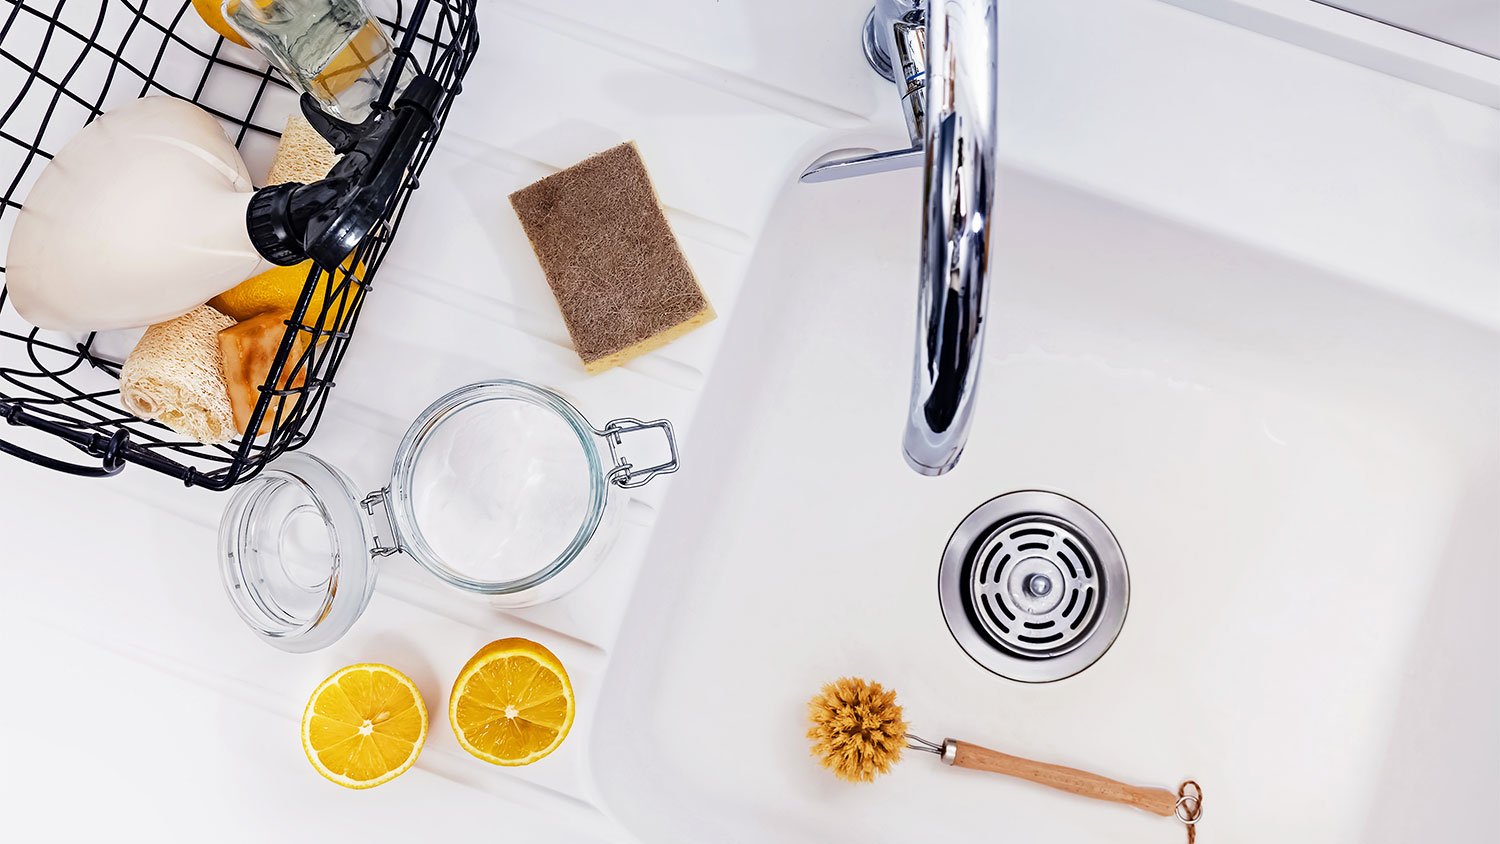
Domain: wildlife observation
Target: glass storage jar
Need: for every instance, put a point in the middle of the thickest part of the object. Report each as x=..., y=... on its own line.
x=500, y=488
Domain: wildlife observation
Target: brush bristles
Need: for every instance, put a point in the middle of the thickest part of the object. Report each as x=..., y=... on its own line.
x=857, y=730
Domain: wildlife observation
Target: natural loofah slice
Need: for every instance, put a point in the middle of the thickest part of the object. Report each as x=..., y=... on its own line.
x=614, y=266
x=857, y=729
x=302, y=156
x=175, y=377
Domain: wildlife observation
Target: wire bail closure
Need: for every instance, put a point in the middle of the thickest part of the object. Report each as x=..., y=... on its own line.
x=380, y=498
x=625, y=474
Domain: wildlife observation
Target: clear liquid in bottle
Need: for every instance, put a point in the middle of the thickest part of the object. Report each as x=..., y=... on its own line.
x=334, y=50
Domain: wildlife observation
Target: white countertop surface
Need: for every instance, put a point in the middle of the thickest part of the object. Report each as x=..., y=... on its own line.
x=139, y=702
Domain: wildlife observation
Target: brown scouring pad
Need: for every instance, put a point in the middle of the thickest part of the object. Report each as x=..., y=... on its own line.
x=619, y=276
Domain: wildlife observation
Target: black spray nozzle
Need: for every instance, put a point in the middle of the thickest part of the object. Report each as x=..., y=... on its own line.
x=327, y=219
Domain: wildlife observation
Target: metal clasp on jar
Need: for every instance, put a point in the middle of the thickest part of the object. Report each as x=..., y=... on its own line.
x=378, y=519
x=626, y=474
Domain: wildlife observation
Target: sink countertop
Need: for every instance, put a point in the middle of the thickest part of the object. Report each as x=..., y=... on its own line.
x=1194, y=120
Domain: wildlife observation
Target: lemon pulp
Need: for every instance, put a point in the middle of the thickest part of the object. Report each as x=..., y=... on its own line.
x=512, y=704
x=364, y=725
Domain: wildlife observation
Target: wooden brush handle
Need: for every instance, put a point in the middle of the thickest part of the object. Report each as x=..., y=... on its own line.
x=1156, y=800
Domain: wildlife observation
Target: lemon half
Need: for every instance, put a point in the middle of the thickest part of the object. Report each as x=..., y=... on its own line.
x=512, y=703
x=364, y=725
x=277, y=290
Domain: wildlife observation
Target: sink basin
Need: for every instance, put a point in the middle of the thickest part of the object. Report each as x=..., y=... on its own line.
x=1285, y=413
x=1301, y=470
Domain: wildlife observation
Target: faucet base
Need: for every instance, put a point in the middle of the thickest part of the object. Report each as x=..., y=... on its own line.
x=875, y=51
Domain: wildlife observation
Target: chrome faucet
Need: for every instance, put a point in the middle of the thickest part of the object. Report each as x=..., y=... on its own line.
x=942, y=56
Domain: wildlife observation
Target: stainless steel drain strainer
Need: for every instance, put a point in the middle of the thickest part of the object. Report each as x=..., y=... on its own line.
x=1033, y=586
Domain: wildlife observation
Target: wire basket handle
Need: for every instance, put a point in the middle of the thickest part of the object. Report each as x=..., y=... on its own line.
x=108, y=449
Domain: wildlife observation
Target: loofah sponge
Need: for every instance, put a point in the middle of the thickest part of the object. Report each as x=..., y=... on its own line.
x=857, y=729
x=175, y=377
x=302, y=155
x=614, y=266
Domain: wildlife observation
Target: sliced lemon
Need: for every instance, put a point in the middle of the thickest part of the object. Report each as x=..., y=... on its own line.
x=364, y=725
x=512, y=703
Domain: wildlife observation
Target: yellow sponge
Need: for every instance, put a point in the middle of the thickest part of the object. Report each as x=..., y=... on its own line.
x=619, y=276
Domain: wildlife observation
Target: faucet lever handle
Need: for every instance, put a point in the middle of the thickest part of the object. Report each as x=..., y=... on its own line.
x=848, y=163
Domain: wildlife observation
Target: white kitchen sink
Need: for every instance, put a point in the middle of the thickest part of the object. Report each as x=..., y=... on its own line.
x=1246, y=308
x=1303, y=473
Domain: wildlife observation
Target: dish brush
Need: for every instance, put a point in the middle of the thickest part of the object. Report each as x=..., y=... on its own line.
x=858, y=732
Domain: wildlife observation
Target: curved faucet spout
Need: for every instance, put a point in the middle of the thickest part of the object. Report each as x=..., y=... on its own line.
x=957, y=208
x=942, y=56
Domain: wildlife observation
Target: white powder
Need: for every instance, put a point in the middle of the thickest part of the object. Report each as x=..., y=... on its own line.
x=500, y=489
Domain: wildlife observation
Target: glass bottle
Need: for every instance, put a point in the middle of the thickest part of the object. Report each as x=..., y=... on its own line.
x=334, y=50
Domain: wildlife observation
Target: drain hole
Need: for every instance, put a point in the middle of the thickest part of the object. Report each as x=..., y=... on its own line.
x=1072, y=572
x=985, y=599
x=984, y=573
x=1017, y=534
x=1083, y=614
x=1040, y=640
x=1034, y=586
x=1082, y=557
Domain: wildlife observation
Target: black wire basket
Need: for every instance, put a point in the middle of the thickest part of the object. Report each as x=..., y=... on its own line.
x=68, y=61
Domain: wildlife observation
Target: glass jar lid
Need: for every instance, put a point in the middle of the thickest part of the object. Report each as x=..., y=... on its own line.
x=294, y=554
